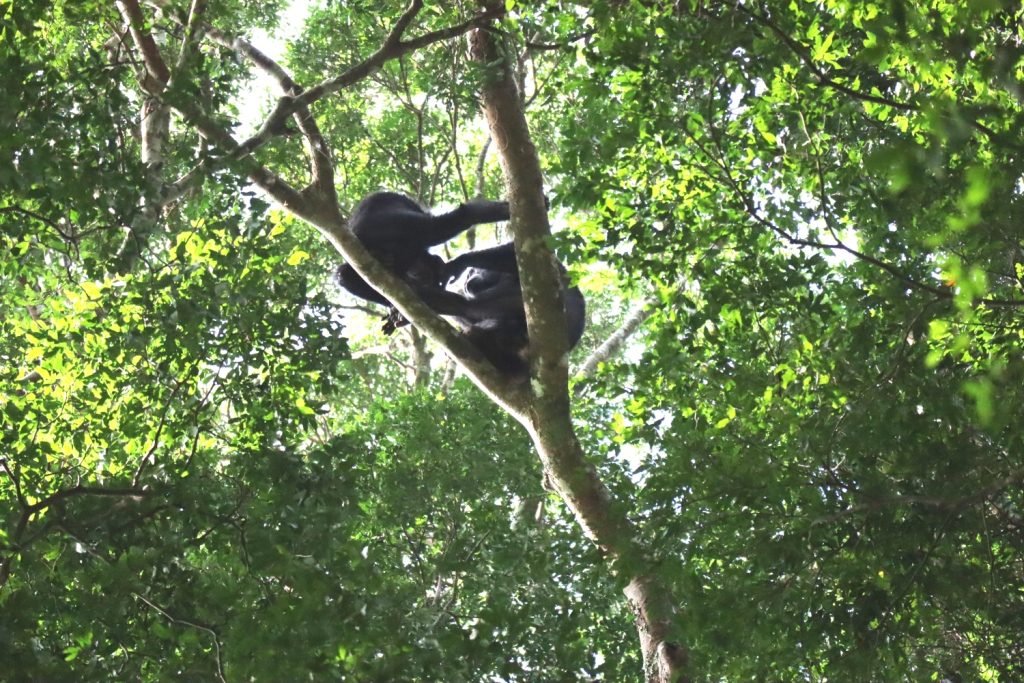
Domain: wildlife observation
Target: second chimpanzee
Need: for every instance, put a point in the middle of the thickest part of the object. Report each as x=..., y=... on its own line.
x=497, y=324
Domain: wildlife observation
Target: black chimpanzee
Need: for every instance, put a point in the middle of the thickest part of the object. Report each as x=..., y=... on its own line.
x=398, y=232
x=490, y=278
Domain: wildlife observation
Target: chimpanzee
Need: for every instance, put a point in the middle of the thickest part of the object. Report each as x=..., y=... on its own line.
x=497, y=327
x=398, y=231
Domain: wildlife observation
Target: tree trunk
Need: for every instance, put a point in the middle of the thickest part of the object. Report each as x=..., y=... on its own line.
x=547, y=417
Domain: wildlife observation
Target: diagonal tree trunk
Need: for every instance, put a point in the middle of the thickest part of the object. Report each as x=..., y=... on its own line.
x=547, y=417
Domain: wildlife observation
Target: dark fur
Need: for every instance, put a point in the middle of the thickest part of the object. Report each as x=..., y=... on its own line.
x=398, y=232
x=491, y=276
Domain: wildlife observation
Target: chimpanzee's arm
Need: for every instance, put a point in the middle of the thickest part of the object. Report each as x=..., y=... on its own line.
x=447, y=225
x=441, y=300
x=501, y=258
x=402, y=228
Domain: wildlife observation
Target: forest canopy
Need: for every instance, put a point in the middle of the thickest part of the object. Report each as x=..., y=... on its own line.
x=787, y=448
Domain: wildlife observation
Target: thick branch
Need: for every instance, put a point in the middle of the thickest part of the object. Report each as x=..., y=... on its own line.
x=548, y=421
x=325, y=215
x=510, y=397
x=84, y=491
x=151, y=57
x=538, y=268
x=155, y=129
x=18, y=542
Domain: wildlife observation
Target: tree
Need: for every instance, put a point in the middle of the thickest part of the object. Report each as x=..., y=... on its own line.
x=802, y=462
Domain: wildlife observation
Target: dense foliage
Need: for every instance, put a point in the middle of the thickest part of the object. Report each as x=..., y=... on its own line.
x=215, y=467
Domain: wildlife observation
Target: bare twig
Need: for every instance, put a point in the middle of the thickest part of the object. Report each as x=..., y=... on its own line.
x=322, y=169
x=191, y=624
x=534, y=45
x=190, y=41
x=614, y=342
x=952, y=504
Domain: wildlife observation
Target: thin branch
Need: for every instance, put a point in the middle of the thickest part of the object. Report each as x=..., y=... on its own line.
x=804, y=54
x=85, y=491
x=952, y=504
x=322, y=168
x=164, y=612
x=264, y=178
x=16, y=481
x=533, y=45
x=421, y=358
x=614, y=342
x=189, y=41
x=750, y=208
x=156, y=440
x=41, y=218
x=481, y=163
x=392, y=48
x=19, y=542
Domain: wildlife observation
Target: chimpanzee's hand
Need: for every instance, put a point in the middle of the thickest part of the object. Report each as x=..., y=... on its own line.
x=484, y=211
x=392, y=321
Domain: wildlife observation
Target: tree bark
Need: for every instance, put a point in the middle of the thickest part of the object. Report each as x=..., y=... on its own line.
x=547, y=417
x=155, y=123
